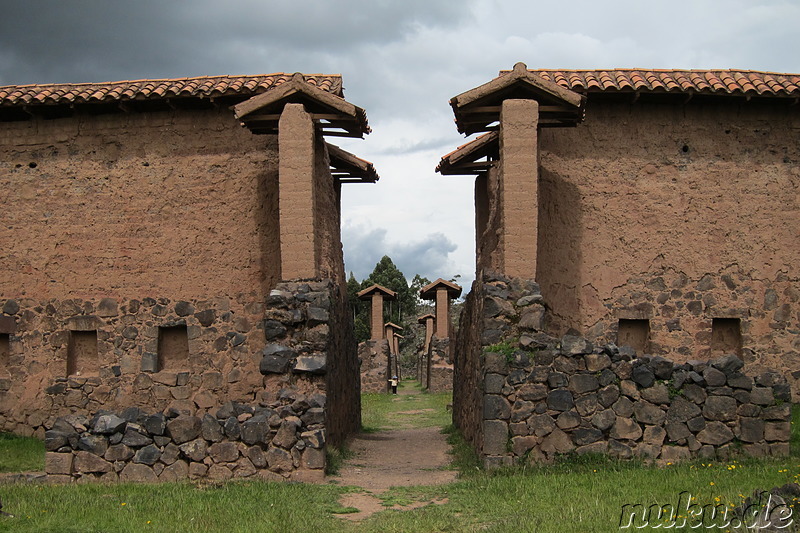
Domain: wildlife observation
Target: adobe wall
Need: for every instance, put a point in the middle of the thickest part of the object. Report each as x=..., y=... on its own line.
x=119, y=227
x=178, y=205
x=677, y=214
x=523, y=396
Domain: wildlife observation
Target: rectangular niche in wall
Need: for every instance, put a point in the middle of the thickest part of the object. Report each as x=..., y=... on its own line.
x=173, y=348
x=82, y=353
x=726, y=336
x=634, y=333
x=5, y=353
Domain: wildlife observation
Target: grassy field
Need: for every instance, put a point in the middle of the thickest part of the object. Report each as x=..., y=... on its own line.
x=575, y=495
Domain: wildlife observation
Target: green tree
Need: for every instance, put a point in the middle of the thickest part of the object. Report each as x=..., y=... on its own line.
x=360, y=310
x=389, y=276
x=416, y=285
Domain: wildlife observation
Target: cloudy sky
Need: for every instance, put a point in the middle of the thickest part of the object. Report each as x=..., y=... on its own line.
x=402, y=61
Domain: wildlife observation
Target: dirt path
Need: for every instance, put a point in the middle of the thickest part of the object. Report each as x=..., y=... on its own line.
x=396, y=458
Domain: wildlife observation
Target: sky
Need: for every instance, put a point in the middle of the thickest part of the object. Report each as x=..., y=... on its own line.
x=401, y=61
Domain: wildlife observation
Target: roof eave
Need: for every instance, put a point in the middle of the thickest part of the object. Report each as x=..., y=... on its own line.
x=261, y=113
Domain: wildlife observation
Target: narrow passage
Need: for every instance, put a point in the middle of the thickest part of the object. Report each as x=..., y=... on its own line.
x=402, y=446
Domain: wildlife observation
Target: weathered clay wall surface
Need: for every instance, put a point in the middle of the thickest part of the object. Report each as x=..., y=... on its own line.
x=180, y=205
x=488, y=249
x=327, y=208
x=681, y=214
x=540, y=396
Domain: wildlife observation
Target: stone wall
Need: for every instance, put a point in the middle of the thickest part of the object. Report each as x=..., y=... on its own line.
x=525, y=396
x=374, y=359
x=282, y=439
x=311, y=350
x=439, y=366
x=689, y=209
x=224, y=338
x=681, y=310
x=294, y=356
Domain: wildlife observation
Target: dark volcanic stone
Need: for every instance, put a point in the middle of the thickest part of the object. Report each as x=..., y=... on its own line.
x=211, y=429
x=107, y=424
x=184, y=428
x=206, y=318
x=155, y=424
x=560, y=400
x=147, y=455
x=135, y=439
x=643, y=375
x=273, y=329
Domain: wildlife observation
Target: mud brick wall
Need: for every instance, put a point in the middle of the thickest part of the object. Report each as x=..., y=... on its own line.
x=374, y=360
x=531, y=397
x=180, y=204
x=282, y=439
x=688, y=210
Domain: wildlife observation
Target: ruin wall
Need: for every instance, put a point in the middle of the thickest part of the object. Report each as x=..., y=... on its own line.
x=677, y=215
x=179, y=205
x=142, y=271
x=374, y=357
x=523, y=396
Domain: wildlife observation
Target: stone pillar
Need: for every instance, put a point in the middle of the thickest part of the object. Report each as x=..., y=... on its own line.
x=442, y=313
x=376, y=322
x=296, y=145
x=519, y=156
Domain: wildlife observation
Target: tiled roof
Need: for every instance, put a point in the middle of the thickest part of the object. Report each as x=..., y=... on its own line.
x=735, y=82
x=428, y=292
x=203, y=87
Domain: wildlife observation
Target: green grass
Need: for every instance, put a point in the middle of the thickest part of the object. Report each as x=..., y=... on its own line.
x=20, y=454
x=576, y=494
x=174, y=507
x=573, y=496
x=392, y=411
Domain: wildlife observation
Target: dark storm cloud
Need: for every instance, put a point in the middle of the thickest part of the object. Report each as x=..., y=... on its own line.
x=428, y=256
x=102, y=40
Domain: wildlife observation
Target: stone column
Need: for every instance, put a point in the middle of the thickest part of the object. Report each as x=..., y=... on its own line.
x=519, y=156
x=296, y=145
x=442, y=313
x=376, y=322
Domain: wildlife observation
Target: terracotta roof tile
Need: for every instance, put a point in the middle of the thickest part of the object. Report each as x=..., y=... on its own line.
x=207, y=86
x=739, y=82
